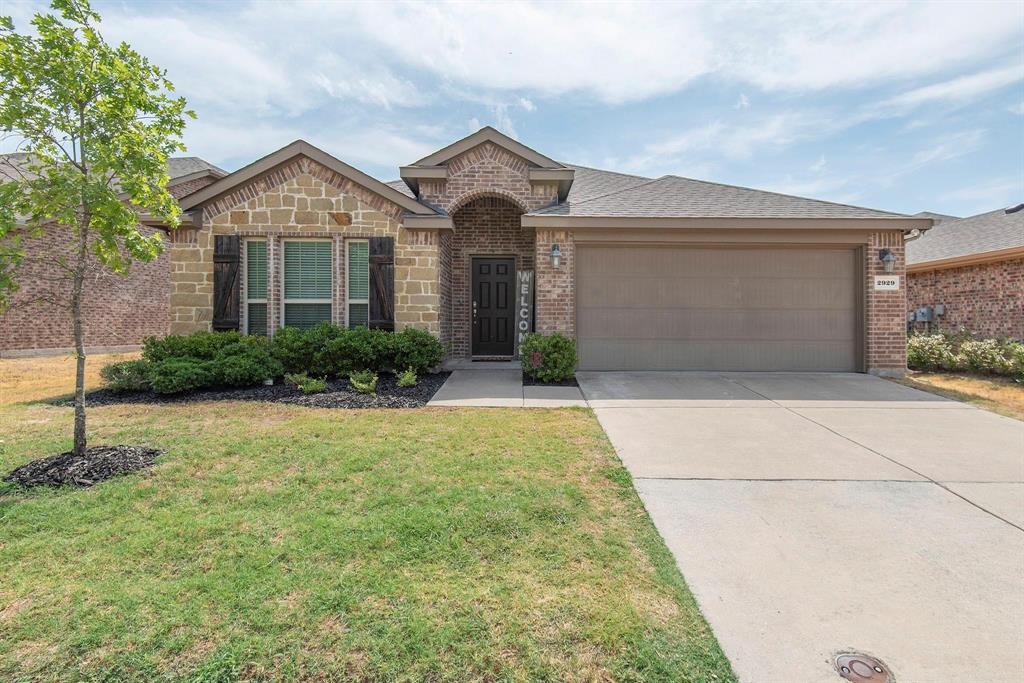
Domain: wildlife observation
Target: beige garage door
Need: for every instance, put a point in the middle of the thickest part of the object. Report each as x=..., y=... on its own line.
x=722, y=308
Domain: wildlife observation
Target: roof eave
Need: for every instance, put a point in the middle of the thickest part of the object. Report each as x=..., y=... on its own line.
x=967, y=260
x=775, y=222
x=487, y=134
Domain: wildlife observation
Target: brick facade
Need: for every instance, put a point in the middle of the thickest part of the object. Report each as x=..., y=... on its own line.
x=986, y=299
x=118, y=311
x=555, y=299
x=885, y=334
x=299, y=200
x=484, y=226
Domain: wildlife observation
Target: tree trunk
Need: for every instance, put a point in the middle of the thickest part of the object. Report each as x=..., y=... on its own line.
x=76, y=323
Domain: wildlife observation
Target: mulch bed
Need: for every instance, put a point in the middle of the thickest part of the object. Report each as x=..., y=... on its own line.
x=338, y=395
x=98, y=464
x=530, y=382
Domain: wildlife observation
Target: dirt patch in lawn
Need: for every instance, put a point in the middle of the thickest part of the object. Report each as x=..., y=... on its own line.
x=98, y=464
x=339, y=394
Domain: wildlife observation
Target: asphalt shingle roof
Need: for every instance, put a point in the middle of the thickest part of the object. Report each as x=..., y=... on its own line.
x=991, y=231
x=176, y=166
x=675, y=197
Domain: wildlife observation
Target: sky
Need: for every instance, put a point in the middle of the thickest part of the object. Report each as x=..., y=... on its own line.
x=902, y=106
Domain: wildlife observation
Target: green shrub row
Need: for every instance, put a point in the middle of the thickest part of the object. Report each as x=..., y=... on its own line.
x=548, y=358
x=180, y=363
x=962, y=353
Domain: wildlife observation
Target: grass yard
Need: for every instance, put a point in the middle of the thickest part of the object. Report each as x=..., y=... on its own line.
x=283, y=543
x=998, y=394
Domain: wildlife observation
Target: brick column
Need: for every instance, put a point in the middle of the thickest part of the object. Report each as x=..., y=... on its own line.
x=885, y=327
x=555, y=291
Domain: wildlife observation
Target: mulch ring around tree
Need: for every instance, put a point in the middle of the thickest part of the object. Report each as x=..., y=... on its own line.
x=98, y=464
x=339, y=394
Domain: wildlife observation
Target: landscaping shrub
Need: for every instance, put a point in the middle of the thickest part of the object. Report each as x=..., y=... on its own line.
x=1014, y=351
x=317, y=340
x=129, y=375
x=364, y=381
x=416, y=349
x=407, y=378
x=201, y=345
x=289, y=348
x=930, y=352
x=174, y=375
x=307, y=384
x=244, y=364
x=548, y=358
x=983, y=356
x=358, y=349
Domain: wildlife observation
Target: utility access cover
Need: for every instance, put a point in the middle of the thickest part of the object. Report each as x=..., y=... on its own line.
x=860, y=668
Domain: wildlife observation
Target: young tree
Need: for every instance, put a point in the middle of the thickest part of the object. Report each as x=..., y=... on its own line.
x=96, y=124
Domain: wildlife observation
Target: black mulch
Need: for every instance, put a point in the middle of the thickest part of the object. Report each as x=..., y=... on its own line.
x=338, y=395
x=531, y=382
x=98, y=464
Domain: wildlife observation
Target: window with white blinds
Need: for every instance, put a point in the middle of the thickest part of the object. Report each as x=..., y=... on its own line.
x=306, y=282
x=256, y=287
x=358, y=289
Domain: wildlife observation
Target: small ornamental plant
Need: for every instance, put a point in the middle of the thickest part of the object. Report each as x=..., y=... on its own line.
x=364, y=381
x=407, y=378
x=548, y=358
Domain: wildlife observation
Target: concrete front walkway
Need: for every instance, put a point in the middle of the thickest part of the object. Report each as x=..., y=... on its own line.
x=501, y=387
x=813, y=514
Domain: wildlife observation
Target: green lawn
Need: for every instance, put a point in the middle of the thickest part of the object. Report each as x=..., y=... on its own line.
x=283, y=543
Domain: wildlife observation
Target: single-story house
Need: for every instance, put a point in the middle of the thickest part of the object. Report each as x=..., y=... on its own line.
x=486, y=238
x=969, y=273
x=119, y=311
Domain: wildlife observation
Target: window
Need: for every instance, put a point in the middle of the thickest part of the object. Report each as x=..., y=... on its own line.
x=358, y=283
x=256, y=287
x=307, y=283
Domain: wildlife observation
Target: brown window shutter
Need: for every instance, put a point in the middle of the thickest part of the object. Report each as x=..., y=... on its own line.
x=382, y=283
x=225, y=282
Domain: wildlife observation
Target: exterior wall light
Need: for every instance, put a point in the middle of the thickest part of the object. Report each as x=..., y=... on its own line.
x=556, y=256
x=888, y=260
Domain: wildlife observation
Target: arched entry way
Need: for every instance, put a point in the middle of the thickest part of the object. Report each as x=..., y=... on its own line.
x=481, y=257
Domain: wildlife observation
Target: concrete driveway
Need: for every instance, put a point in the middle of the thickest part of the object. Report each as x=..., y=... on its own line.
x=814, y=514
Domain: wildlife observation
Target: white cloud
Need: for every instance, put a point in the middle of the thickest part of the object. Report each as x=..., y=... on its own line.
x=956, y=90
x=527, y=104
x=1017, y=109
x=819, y=165
x=742, y=103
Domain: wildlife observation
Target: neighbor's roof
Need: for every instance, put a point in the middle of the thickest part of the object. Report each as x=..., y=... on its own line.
x=937, y=217
x=675, y=197
x=995, y=231
x=177, y=167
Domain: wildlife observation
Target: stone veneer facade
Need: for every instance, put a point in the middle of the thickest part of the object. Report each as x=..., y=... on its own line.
x=987, y=299
x=303, y=199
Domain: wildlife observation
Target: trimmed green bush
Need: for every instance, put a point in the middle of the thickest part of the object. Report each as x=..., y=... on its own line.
x=201, y=345
x=129, y=375
x=245, y=364
x=983, y=356
x=289, y=347
x=175, y=375
x=930, y=352
x=364, y=381
x=416, y=349
x=548, y=358
x=407, y=378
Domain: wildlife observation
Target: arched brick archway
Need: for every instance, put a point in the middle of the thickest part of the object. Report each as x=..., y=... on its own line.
x=487, y=225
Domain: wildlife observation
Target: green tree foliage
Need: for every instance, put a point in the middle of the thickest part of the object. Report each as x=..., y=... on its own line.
x=96, y=123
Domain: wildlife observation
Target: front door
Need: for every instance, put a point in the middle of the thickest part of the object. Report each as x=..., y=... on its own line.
x=493, y=307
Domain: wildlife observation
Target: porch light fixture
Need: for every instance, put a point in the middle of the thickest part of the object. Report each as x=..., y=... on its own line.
x=888, y=260
x=556, y=256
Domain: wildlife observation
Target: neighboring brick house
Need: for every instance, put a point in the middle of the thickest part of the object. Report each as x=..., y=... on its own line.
x=666, y=273
x=118, y=311
x=972, y=269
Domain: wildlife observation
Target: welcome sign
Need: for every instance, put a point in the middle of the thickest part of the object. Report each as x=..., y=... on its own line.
x=524, y=306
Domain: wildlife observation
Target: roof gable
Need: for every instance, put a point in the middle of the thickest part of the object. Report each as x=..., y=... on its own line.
x=487, y=134
x=289, y=153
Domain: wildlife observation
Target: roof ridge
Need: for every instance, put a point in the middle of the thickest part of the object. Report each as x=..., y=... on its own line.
x=789, y=196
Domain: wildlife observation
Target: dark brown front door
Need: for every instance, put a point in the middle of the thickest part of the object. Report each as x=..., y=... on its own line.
x=493, y=314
